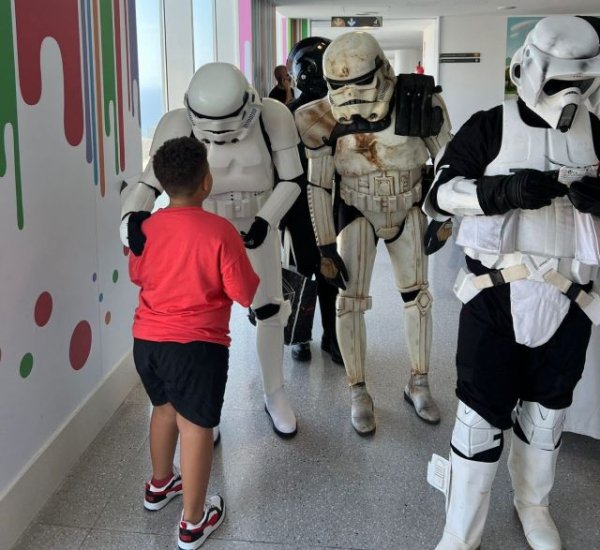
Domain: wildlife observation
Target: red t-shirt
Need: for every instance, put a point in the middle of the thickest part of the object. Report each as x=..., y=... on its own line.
x=194, y=265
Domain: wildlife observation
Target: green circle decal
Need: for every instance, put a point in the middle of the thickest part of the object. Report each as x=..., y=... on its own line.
x=26, y=365
x=115, y=276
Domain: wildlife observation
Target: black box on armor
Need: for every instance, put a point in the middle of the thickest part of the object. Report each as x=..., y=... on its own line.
x=302, y=294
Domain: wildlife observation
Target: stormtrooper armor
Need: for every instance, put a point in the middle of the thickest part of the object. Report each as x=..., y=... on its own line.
x=356, y=134
x=247, y=139
x=524, y=179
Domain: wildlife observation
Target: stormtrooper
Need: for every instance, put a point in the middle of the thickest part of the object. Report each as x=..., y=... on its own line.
x=305, y=61
x=523, y=177
x=248, y=139
x=373, y=135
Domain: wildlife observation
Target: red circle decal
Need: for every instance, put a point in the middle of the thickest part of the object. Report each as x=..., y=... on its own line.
x=81, y=345
x=43, y=309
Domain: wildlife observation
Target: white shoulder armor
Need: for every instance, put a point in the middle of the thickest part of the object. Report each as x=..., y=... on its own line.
x=281, y=129
x=279, y=124
x=315, y=123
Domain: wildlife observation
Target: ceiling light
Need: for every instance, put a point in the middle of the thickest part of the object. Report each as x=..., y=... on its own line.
x=505, y=8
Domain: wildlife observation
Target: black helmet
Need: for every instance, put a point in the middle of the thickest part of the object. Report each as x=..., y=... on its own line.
x=305, y=61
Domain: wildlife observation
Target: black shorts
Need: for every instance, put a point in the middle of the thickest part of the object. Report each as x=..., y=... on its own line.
x=494, y=371
x=191, y=377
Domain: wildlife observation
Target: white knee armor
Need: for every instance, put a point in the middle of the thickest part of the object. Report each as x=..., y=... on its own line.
x=541, y=426
x=473, y=434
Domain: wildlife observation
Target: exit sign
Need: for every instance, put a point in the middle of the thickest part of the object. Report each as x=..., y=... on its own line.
x=357, y=21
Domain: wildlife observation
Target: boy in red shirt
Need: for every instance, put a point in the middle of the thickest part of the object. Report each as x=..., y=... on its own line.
x=192, y=266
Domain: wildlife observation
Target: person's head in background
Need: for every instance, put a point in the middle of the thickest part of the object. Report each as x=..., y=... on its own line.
x=281, y=75
x=181, y=167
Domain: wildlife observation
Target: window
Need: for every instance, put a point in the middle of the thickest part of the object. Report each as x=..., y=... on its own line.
x=152, y=102
x=203, y=13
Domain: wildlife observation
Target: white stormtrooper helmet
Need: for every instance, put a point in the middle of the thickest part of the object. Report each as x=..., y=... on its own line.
x=359, y=77
x=557, y=68
x=221, y=104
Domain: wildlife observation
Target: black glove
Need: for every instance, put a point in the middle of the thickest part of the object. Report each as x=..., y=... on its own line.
x=332, y=266
x=256, y=234
x=527, y=189
x=135, y=235
x=585, y=195
x=436, y=235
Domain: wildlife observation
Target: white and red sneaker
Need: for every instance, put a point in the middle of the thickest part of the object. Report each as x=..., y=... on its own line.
x=192, y=536
x=158, y=497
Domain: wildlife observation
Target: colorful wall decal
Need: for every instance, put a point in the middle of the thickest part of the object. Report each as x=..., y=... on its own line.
x=8, y=104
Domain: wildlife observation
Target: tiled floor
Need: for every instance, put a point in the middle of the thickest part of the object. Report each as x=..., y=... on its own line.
x=328, y=487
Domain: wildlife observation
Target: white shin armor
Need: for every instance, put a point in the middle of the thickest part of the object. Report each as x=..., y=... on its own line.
x=467, y=485
x=417, y=328
x=541, y=426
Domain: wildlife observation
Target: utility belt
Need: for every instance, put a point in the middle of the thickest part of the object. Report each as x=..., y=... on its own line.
x=386, y=191
x=468, y=285
x=236, y=204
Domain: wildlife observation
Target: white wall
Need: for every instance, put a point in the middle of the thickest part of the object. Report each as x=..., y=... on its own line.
x=69, y=153
x=404, y=60
x=471, y=87
x=430, y=55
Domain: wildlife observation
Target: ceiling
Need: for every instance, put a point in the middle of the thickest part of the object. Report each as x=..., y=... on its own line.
x=325, y=9
x=404, y=20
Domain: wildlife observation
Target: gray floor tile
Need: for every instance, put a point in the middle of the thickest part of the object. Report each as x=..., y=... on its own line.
x=99, y=539
x=51, y=537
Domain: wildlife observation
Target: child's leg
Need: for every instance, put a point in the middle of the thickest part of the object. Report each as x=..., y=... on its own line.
x=163, y=440
x=196, y=461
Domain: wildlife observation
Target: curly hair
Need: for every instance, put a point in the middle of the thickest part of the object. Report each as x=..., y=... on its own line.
x=180, y=165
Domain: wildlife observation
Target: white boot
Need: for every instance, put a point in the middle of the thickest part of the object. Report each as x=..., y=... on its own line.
x=418, y=394
x=532, y=473
x=280, y=411
x=362, y=410
x=468, y=500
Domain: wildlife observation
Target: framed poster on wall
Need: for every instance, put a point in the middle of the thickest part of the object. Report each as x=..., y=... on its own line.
x=517, y=29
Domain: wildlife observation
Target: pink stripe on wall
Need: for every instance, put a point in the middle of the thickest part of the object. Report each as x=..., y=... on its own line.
x=285, y=47
x=245, y=37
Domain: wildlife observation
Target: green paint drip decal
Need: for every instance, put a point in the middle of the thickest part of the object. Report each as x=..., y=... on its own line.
x=8, y=103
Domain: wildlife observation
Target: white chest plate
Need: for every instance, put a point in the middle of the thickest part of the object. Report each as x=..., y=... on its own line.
x=243, y=166
x=361, y=154
x=555, y=231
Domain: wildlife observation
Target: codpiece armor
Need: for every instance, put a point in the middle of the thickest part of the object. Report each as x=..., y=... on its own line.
x=524, y=178
x=247, y=139
x=373, y=134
